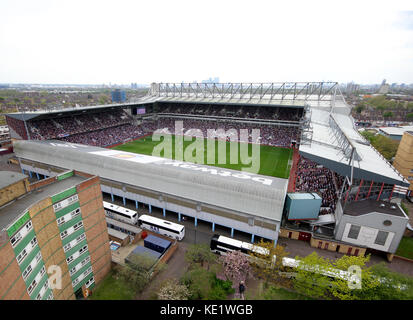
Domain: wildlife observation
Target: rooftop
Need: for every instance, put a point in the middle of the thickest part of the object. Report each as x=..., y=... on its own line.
x=9, y=177
x=304, y=195
x=396, y=131
x=11, y=211
x=359, y=208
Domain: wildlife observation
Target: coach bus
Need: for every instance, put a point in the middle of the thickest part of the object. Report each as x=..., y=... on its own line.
x=120, y=213
x=166, y=228
x=223, y=245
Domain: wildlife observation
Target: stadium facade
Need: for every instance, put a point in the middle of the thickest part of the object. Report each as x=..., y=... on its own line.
x=236, y=200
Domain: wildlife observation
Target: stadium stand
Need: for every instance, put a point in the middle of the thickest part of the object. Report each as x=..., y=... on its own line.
x=312, y=177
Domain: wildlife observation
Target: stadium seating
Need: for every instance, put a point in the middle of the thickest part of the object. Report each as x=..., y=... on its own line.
x=312, y=177
x=111, y=127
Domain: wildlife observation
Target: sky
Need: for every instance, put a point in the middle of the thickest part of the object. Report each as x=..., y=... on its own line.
x=120, y=42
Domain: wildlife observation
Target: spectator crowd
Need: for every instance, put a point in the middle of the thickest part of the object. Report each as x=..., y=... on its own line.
x=108, y=128
x=250, y=112
x=312, y=177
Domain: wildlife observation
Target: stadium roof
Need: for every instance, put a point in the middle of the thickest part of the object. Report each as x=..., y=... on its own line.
x=45, y=113
x=238, y=191
x=332, y=139
x=285, y=94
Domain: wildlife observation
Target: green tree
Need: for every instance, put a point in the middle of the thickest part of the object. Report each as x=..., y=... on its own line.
x=388, y=114
x=308, y=280
x=409, y=116
x=268, y=266
x=200, y=254
x=341, y=289
x=138, y=279
x=386, y=146
x=199, y=282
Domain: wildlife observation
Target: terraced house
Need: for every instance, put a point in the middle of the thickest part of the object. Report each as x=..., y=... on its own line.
x=54, y=226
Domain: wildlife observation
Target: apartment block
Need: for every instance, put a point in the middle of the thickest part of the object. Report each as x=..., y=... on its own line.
x=56, y=227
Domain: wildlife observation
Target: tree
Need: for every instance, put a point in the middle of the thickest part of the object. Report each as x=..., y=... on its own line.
x=409, y=116
x=199, y=282
x=268, y=266
x=137, y=279
x=386, y=146
x=360, y=108
x=341, y=289
x=236, y=266
x=200, y=254
x=139, y=269
x=388, y=114
x=173, y=290
x=308, y=280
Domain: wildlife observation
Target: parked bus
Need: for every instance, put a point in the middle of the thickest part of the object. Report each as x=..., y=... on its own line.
x=170, y=229
x=120, y=213
x=223, y=245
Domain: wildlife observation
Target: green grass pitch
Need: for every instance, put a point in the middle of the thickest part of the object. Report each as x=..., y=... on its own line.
x=274, y=161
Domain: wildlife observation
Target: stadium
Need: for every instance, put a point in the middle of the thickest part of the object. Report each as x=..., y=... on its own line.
x=308, y=145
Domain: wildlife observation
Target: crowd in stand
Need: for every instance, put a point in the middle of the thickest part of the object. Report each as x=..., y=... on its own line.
x=268, y=113
x=65, y=126
x=107, y=128
x=268, y=135
x=107, y=136
x=312, y=177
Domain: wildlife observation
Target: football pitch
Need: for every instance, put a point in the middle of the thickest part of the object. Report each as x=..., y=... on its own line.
x=274, y=161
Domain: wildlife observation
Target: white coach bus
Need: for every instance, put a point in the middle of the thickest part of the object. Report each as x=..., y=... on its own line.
x=120, y=213
x=166, y=228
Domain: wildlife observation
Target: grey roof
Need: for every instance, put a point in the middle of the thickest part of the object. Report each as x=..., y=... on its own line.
x=9, y=177
x=359, y=208
x=117, y=234
x=10, y=212
x=45, y=113
x=243, y=192
x=333, y=135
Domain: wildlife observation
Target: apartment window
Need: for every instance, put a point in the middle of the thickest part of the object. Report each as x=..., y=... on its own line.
x=353, y=232
x=60, y=221
x=381, y=238
x=21, y=256
x=27, y=272
x=81, y=237
x=75, y=213
x=15, y=239
x=63, y=234
x=67, y=247
x=42, y=271
x=78, y=225
x=33, y=242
